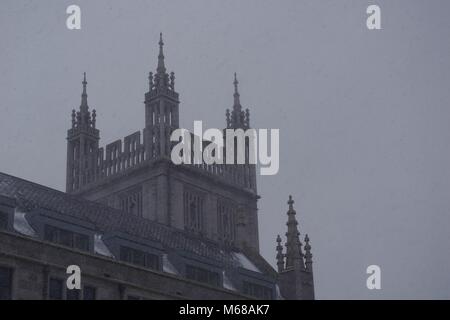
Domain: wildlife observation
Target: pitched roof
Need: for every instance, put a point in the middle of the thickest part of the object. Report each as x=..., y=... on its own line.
x=31, y=196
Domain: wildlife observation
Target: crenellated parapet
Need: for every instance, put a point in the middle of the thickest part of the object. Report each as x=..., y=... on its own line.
x=123, y=156
x=117, y=157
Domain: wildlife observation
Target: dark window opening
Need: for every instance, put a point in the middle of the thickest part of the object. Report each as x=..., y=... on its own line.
x=5, y=283
x=226, y=214
x=66, y=238
x=89, y=293
x=55, y=289
x=131, y=202
x=81, y=242
x=3, y=221
x=73, y=294
x=139, y=258
x=257, y=291
x=193, y=212
x=202, y=275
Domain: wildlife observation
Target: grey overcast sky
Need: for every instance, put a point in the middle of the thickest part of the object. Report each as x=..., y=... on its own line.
x=363, y=115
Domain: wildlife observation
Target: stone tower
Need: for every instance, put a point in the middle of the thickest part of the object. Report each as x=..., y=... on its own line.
x=296, y=279
x=240, y=120
x=82, y=140
x=161, y=110
x=215, y=201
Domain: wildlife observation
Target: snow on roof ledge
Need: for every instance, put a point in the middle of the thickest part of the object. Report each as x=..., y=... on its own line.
x=227, y=283
x=278, y=293
x=100, y=247
x=244, y=262
x=168, y=266
x=21, y=224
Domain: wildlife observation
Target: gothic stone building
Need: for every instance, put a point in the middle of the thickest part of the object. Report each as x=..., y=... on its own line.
x=140, y=227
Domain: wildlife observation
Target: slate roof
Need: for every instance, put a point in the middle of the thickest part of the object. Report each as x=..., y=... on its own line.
x=30, y=196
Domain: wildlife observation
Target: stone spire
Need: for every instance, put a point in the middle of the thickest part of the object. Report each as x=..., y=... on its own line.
x=161, y=69
x=280, y=256
x=294, y=255
x=83, y=119
x=84, y=103
x=308, y=255
x=237, y=102
x=237, y=114
x=239, y=118
x=296, y=281
x=161, y=80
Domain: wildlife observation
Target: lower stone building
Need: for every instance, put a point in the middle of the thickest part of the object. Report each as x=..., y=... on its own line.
x=122, y=256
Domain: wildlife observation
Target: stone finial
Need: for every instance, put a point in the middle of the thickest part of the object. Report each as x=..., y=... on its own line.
x=150, y=81
x=247, y=118
x=308, y=255
x=172, y=80
x=94, y=116
x=74, y=118
x=280, y=255
x=291, y=203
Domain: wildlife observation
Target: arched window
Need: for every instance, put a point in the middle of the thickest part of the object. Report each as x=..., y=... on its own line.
x=193, y=211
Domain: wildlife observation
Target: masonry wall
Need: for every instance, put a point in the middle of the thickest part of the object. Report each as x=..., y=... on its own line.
x=163, y=184
x=296, y=284
x=34, y=261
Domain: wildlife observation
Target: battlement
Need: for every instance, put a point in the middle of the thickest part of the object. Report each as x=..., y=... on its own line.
x=122, y=156
x=116, y=157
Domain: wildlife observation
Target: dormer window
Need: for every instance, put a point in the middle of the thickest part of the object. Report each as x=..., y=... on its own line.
x=257, y=291
x=140, y=258
x=202, y=275
x=66, y=238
